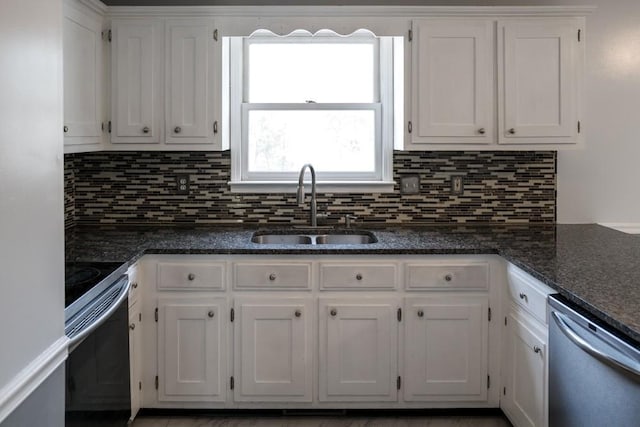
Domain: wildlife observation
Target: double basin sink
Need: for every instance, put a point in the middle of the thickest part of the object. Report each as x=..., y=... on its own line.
x=307, y=238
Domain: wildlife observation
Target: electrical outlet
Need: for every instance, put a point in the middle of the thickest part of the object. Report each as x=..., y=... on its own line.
x=182, y=184
x=456, y=184
x=410, y=184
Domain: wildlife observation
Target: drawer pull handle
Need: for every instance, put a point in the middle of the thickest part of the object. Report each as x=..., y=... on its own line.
x=420, y=313
x=524, y=297
x=334, y=311
x=210, y=313
x=481, y=131
x=145, y=129
x=177, y=129
x=358, y=276
x=272, y=277
x=134, y=285
x=132, y=326
x=191, y=276
x=448, y=277
x=536, y=349
x=298, y=313
x=512, y=131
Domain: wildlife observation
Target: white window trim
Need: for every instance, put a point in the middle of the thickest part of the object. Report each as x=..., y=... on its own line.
x=383, y=179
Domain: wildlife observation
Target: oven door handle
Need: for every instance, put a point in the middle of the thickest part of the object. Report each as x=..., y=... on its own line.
x=124, y=293
x=585, y=345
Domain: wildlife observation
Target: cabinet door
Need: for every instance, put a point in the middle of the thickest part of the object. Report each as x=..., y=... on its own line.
x=358, y=349
x=135, y=357
x=524, y=375
x=191, y=348
x=82, y=45
x=190, y=82
x=273, y=350
x=446, y=348
x=136, y=81
x=538, y=75
x=453, y=63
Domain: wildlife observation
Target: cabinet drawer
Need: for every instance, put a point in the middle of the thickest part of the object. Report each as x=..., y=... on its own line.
x=191, y=275
x=447, y=275
x=362, y=275
x=272, y=275
x=528, y=293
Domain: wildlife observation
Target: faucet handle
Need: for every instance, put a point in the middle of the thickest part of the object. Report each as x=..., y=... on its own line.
x=348, y=219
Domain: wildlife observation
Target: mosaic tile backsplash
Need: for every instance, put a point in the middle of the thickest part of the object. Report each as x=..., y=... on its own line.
x=140, y=188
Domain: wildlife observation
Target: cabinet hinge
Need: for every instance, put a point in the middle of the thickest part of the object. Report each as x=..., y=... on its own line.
x=504, y=391
x=488, y=381
x=410, y=127
x=399, y=315
x=215, y=34
x=578, y=126
x=489, y=314
x=102, y=126
x=139, y=317
x=106, y=34
x=505, y=320
x=231, y=383
x=579, y=31
x=233, y=316
x=157, y=382
x=109, y=126
x=399, y=382
x=410, y=35
x=156, y=314
x=139, y=385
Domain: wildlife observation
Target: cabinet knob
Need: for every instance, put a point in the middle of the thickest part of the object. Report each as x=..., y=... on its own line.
x=481, y=131
x=177, y=129
x=298, y=313
x=272, y=276
x=65, y=129
x=134, y=285
x=512, y=131
x=210, y=313
x=524, y=297
x=132, y=326
x=358, y=276
x=448, y=277
x=145, y=129
x=420, y=313
x=334, y=312
x=536, y=349
x=191, y=276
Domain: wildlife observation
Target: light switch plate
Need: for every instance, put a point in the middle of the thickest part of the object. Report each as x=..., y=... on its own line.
x=410, y=184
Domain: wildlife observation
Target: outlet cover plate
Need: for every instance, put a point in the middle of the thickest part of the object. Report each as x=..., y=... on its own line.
x=410, y=184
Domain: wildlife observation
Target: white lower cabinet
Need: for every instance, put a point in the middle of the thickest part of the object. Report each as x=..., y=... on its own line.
x=135, y=357
x=191, y=349
x=524, y=374
x=358, y=349
x=446, y=348
x=273, y=349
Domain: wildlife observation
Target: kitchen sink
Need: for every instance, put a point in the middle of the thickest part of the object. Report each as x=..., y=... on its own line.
x=338, y=238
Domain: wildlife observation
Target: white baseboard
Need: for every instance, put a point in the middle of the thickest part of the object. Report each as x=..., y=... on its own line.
x=625, y=227
x=30, y=378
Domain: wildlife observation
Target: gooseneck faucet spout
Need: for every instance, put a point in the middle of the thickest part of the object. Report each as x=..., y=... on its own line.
x=313, y=213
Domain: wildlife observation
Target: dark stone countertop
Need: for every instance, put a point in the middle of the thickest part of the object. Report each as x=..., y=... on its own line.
x=595, y=267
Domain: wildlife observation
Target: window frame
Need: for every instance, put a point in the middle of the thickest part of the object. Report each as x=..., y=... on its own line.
x=380, y=180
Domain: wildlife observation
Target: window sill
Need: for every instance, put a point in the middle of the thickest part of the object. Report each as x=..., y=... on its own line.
x=321, y=187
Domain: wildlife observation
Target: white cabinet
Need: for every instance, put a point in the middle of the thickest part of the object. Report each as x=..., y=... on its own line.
x=524, y=372
x=358, y=349
x=192, y=80
x=136, y=77
x=539, y=75
x=453, y=81
x=83, y=97
x=192, y=349
x=273, y=349
x=135, y=356
x=446, y=348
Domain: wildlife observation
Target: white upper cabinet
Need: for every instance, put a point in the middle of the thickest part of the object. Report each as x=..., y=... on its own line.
x=136, y=81
x=539, y=77
x=191, y=82
x=453, y=83
x=83, y=97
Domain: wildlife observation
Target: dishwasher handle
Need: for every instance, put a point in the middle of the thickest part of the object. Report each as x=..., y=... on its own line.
x=581, y=342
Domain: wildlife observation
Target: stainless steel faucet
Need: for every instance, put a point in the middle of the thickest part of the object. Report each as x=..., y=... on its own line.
x=313, y=214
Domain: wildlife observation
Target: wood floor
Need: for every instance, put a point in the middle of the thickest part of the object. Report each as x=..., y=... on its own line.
x=322, y=421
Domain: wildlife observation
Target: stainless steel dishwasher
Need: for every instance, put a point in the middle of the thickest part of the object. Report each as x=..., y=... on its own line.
x=594, y=376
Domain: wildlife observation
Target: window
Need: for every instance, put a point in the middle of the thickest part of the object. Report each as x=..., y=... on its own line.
x=322, y=99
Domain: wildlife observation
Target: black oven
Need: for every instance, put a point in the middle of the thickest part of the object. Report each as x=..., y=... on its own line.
x=96, y=323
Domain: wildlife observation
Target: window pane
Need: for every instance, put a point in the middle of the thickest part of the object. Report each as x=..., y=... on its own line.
x=332, y=140
x=320, y=72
